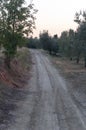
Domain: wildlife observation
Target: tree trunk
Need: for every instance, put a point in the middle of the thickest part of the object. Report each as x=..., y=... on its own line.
x=71, y=58
x=85, y=61
x=7, y=62
x=78, y=58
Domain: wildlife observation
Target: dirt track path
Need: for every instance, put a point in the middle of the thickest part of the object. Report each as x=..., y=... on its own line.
x=48, y=105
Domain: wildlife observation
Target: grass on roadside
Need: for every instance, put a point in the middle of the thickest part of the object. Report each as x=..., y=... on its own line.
x=73, y=72
x=20, y=67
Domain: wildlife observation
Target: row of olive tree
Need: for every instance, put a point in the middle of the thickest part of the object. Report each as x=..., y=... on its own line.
x=73, y=44
x=49, y=43
x=33, y=43
x=16, y=21
x=81, y=34
x=66, y=43
x=45, y=41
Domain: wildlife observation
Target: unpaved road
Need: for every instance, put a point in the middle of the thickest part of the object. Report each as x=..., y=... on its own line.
x=48, y=104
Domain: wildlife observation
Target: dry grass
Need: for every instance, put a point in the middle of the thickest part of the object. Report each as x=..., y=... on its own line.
x=68, y=66
x=20, y=67
x=75, y=74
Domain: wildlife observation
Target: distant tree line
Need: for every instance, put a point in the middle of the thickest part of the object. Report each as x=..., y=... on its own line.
x=49, y=43
x=33, y=43
x=71, y=44
x=45, y=41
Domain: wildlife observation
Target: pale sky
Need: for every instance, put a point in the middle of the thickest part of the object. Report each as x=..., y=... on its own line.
x=56, y=15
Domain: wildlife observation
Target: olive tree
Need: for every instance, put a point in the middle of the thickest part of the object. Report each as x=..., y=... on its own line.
x=16, y=21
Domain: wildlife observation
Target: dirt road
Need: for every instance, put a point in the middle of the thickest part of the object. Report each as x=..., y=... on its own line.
x=48, y=104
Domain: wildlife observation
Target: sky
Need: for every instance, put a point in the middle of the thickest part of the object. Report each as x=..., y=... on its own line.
x=56, y=15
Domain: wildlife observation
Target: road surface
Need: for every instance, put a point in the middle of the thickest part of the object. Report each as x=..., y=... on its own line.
x=48, y=104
